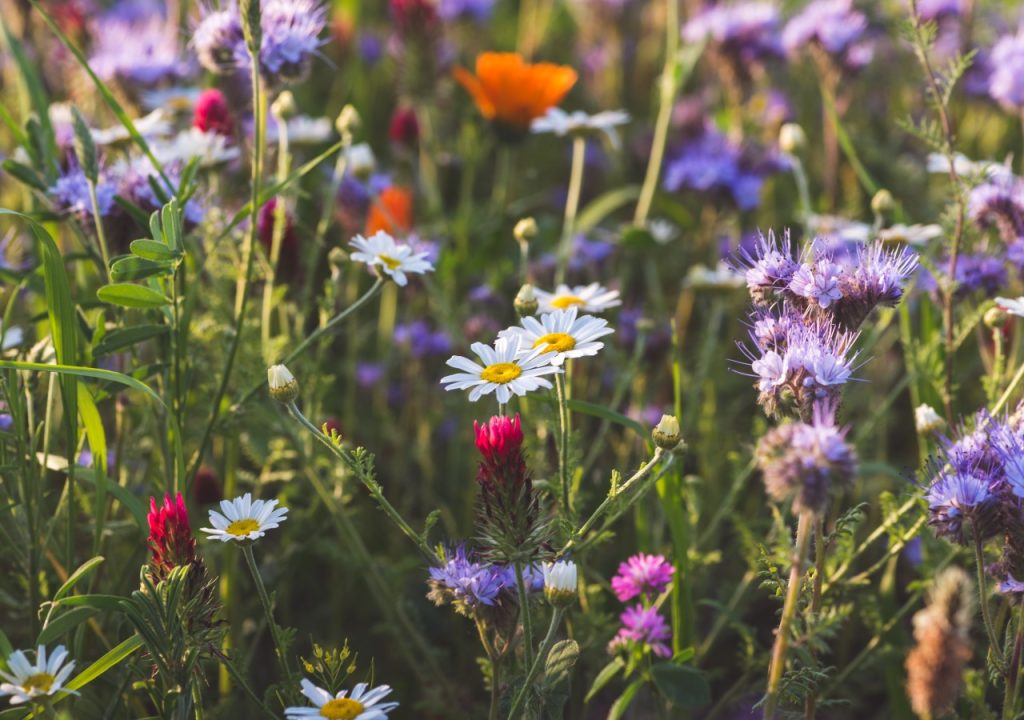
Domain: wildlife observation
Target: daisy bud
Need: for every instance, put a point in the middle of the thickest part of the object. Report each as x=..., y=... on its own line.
x=283, y=385
x=882, y=202
x=361, y=162
x=666, y=433
x=348, y=121
x=526, y=301
x=525, y=230
x=927, y=420
x=995, y=318
x=791, y=138
x=284, y=106
x=560, y=583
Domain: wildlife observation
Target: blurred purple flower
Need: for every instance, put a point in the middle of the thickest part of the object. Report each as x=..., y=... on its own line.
x=368, y=374
x=644, y=627
x=746, y=32
x=476, y=10
x=70, y=193
x=421, y=340
x=642, y=575
x=142, y=50
x=1006, y=83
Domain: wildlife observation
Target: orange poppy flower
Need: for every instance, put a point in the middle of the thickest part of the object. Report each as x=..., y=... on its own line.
x=391, y=212
x=511, y=92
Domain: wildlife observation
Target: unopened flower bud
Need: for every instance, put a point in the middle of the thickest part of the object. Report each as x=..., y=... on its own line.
x=560, y=584
x=348, y=121
x=361, y=162
x=996, y=318
x=882, y=202
x=927, y=420
x=666, y=433
x=525, y=230
x=284, y=106
x=526, y=301
x=791, y=138
x=283, y=385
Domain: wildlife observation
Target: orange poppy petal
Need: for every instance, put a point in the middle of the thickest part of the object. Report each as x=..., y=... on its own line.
x=476, y=91
x=390, y=212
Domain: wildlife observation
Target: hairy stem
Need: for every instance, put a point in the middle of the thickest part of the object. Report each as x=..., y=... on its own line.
x=545, y=646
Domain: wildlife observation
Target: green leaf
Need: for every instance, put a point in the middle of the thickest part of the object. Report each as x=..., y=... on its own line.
x=85, y=148
x=103, y=664
x=84, y=569
x=119, y=339
x=37, y=94
x=64, y=623
x=683, y=686
x=107, y=603
x=93, y=424
x=153, y=250
x=620, y=706
x=123, y=495
x=604, y=205
x=24, y=173
x=95, y=373
x=137, y=268
x=133, y=296
x=607, y=674
x=601, y=411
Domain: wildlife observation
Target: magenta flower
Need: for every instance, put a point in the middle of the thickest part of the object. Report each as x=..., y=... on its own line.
x=642, y=574
x=642, y=626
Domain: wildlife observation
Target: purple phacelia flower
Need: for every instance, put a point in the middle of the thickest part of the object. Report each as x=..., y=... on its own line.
x=955, y=497
x=642, y=574
x=291, y=35
x=143, y=51
x=70, y=194
x=475, y=10
x=1006, y=83
x=805, y=461
x=219, y=42
x=832, y=24
x=465, y=582
x=642, y=628
x=818, y=283
x=999, y=202
x=744, y=32
x=769, y=267
x=421, y=340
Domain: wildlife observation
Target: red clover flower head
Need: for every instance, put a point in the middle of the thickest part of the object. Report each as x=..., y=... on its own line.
x=170, y=537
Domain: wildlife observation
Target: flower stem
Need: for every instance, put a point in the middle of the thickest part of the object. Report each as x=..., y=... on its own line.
x=268, y=609
x=563, y=444
x=280, y=223
x=1013, y=676
x=545, y=646
x=778, y=663
x=667, y=86
x=524, y=614
x=572, y=203
x=101, y=237
x=995, y=649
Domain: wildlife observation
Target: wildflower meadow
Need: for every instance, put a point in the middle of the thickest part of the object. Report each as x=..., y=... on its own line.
x=511, y=359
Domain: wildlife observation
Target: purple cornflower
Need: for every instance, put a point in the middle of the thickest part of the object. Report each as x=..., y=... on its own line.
x=642, y=575
x=642, y=627
x=745, y=32
x=143, y=51
x=475, y=10
x=803, y=461
x=70, y=194
x=1006, y=83
x=713, y=164
x=832, y=24
x=465, y=582
x=291, y=35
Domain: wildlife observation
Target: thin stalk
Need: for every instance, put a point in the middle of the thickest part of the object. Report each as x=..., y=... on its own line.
x=545, y=646
x=667, y=87
x=284, y=161
x=572, y=204
x=268, y=609
x=101, y=236
x=796, y=571
x=995, y=649
x=524, y=615
x=1013, y=677
x=819, y=576
x=563, y=444
x=244, y=281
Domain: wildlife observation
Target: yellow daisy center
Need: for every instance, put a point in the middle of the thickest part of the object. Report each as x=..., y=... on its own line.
x=565, y=301
x=341, y=709
x=40, y=681
x=243, y=527
x=556, y=342
x=501, y=373
x=391, y=262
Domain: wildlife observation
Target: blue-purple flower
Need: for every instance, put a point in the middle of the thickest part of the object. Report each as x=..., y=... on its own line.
x=1006, y=83
x=70, y=194
x=466, y=582
x=143, y=50
x=744, y=32
x=833, y=25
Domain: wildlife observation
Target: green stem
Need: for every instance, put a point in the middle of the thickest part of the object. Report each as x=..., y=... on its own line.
x=1013, y=676
x=524, y=615
x=572, y=203
x=995, y=649
x=667, y=86
x=796, y=571
x=545, y=646
x=101, y=236
x=368, y=481
x=277, y=236
x=282, y=656
x=563, y=444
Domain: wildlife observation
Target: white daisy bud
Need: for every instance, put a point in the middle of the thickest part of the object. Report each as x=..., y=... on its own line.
x=284, y=106
x=560, y=585
x=525, y=230
x=995, y=318
x=361, y=161
x=882, y=202
x=348, y=121
x=526, y=301
x=666, y=433
x=791, y=138
x=927, y=420
x=283, y=385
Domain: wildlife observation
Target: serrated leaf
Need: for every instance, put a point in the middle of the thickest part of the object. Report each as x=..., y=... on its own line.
x=607, y=674
x=133, y=296
x=683, y=686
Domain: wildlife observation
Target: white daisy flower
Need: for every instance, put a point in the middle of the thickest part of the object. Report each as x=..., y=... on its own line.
x=303, y=130
x=910, y=234
x=211, y=148
x=1012, y=306
x=360, y=159
x=591, y=298
x=560, y=584
x=244, y=519
x=722, y=277
x=27, y=681
x=155, y=124
x=839, y=227
x=395, y=259
x=362, y=704
x=965, y=167
x=927, y=420
x=560, y=334
x=561, y=123
x=506, y=371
